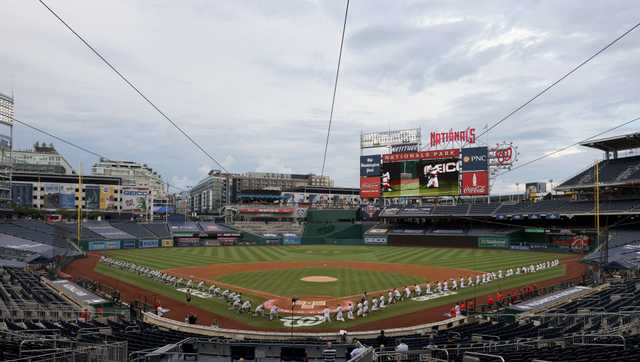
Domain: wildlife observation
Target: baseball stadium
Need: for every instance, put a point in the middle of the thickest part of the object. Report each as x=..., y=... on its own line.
x=429, y=255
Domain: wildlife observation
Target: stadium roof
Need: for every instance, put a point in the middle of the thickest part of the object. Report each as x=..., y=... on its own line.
x=623, y=171
x=615, y=143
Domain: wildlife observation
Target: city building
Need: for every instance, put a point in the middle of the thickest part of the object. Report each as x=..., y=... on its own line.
x=133, y=174
x=219, y=189
x=211, y=194
x=6, y=144
x=101, y=194
x=324, y=196
x=278, y=181
x=42, y=159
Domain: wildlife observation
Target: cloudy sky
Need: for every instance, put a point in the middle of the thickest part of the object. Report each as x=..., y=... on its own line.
x=252, y=80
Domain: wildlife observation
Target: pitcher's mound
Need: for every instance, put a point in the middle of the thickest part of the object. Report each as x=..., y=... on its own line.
x=319, y=279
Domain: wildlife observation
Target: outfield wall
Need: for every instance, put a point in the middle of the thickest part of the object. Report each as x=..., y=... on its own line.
x=333, y=233
x=448, y=241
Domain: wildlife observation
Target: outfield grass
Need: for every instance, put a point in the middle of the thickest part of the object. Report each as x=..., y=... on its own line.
x=286, y=282
x=218, y=306
x=474, y=259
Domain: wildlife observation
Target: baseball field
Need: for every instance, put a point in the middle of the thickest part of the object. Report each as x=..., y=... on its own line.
x=322, y=275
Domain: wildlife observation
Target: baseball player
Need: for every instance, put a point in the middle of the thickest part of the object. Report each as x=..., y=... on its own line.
x=339, y=316
x=326, y=315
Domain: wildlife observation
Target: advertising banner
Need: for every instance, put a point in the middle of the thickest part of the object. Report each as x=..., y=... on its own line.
x=152, y=243
x=112, y=244
x=227, y=240
x=209, y=242
x=22, y=194
x=51, y=197
x=167, y=243
x=291, y=239
x=369, y=187
x=135, y=199
x=187, y=242
x=128, y=244
x=267, y=210
x=96, y=245
x=108, y=197
x=405, y=148
x=370, y=165
x=422, y=155
x=92, y=197
x=475, y=159
x=493, y=242
x=475, y=183
x=68, y=196
x=375, y=240
x=390, y=138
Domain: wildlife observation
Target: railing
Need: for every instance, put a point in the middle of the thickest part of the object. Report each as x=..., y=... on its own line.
x=611, y=340
x=426, y=355
x=114, y=352
x=481, y=355
x=64, y=314
x=367, y=354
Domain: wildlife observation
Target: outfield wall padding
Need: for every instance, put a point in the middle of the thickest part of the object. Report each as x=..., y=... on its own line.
x=447, y=241
x=333, y=233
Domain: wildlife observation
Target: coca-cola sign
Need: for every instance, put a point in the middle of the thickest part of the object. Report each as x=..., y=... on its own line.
x=475, y=183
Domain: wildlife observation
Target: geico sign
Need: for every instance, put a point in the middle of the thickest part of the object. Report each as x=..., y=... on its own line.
x=444, y=167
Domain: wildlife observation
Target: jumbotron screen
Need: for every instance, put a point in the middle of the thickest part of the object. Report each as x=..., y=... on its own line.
x=421, y=178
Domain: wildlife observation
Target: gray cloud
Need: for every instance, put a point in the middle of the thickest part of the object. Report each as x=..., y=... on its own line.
x=252, y=80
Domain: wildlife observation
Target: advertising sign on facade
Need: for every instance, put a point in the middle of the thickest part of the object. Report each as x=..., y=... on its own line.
x=112, y=244
x=187, y=241
x=405, y=148
x=438, y=138
x=493, y=242
x=370, y=165
x=96, y=245
x=475, y=159
x=68, y=197
x=422, y=155
x=375, y=240
x=51, y=197
x=167, y=243
x=108, y=198
x=128, y=244
x=369, y=187
x=390, y=138
x=151, y=243
x=135, y=199
x=22, y=194
x=267, y=210
x=92, y=197
x=475, y=183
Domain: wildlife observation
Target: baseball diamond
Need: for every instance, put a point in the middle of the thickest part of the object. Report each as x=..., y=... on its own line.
x=272, y=276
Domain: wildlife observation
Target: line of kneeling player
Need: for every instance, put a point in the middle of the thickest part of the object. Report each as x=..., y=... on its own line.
x=442, y=288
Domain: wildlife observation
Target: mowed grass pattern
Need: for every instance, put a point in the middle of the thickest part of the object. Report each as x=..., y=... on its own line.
x=283, y=282
x=474, y=259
